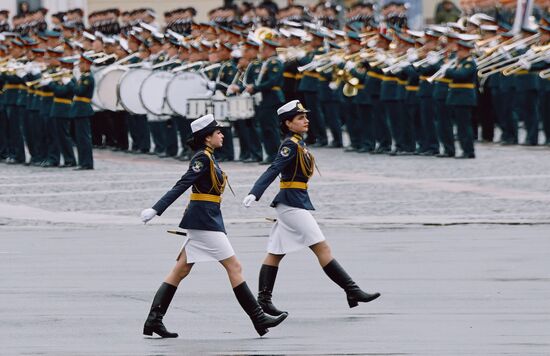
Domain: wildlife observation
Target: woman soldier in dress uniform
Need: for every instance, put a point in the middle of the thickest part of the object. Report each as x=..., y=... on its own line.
x=295, y=227
x=206, y=238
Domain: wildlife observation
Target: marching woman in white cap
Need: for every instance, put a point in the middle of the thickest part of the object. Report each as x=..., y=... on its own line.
x=295, y=227
x=206, y=238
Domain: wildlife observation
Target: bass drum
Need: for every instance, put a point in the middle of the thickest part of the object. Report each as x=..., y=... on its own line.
x=107, y=91
x=183, y=86
x=128, y=90
x=97, y=73
x=152, y=93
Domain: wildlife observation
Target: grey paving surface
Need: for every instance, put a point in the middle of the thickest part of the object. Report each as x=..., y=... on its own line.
x=78, y=271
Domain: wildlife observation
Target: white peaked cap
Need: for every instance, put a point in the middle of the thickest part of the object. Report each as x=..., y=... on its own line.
x=203, y=122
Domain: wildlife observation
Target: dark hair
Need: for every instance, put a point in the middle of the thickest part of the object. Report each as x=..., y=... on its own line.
x=197, y=142
x=284, y=128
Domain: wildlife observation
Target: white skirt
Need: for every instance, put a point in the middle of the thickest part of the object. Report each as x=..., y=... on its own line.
x=205, y=246
x=294, y=229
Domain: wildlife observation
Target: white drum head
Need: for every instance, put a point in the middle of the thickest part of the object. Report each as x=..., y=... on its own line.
x=152, y=93
x=97, y=73
x=128, y=90
x=183, y=86
x=107, y=88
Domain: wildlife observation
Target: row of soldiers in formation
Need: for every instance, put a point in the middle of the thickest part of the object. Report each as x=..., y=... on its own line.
x=398, y=92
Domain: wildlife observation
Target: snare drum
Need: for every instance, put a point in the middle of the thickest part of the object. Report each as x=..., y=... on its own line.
x=197, y=107
x=240, y=107
x=219, y=108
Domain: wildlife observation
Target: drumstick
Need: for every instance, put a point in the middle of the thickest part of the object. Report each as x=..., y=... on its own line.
x=176, y=232
x=271, y=220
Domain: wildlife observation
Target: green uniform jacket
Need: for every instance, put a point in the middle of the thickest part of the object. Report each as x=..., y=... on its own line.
x=226, y=74
x=12, y=87
x=250, y=74
x=363, y=95
x=271, y=82
x=63, y=97
x=374, y=81
x=529, y=79
x=462, y=90
x=310, y=78
x=83, y=92
x=426, y=88
x=413, y=85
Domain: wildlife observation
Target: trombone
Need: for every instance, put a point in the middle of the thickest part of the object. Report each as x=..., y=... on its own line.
x=538, y=56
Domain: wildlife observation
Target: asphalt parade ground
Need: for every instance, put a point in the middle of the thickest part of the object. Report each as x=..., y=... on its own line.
x=459, y=250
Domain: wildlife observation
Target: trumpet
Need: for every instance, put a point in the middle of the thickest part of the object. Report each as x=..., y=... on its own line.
x=441, y=72
x=55, y=75
x=319, y=60
x=421, y=62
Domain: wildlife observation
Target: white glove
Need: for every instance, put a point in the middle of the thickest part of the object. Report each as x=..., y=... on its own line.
x=36, y=70
x=65, y=80
x=371, y=43
x=236, y=53
x=21, y=73
x=333, y=86
x=211, y=85
x=336, y=59
x=433, y=58
x=77, y=73
x=412, y=57
x=403, y=64
x=349, y=66
x=147, y=65
x=389, y=61
x=300, y=54
x=44, y=82
x=248, y=200
x=148, y=214
x=547, y=57
x=380, y=57
x=28, y=66
x=524, y=63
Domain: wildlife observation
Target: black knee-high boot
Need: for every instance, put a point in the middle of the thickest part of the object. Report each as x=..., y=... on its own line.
x=265, y=288
x=262, y=322
x=162, y=300
x=353, y=292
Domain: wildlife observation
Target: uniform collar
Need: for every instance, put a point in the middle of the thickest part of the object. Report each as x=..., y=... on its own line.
x=209, y=149
x=297, y=136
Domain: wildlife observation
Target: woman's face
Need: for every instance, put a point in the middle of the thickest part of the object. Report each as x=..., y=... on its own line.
x=215, y=140
x=299, y=125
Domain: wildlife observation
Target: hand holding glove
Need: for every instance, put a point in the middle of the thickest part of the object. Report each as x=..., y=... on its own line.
x=21, y=73
x=336, y=59
x=65, y=80
x=44, y=82
x=524, y=64
x=433, y=58
x=248, y=200
x=148, y=214
x=349, y=65
x=300, y=54
x=211, y=85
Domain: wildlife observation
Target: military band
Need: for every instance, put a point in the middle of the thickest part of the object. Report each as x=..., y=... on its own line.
x=396, y=91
